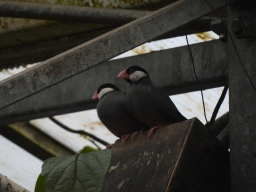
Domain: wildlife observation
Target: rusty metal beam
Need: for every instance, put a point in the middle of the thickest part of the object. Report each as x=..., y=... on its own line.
x=169, y=69
x=103, y=48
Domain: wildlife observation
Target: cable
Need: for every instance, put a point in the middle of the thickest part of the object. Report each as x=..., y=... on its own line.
x=191, y=56
x=233, y=43
x=94, y=144
x=217, y=107
x=79, y=132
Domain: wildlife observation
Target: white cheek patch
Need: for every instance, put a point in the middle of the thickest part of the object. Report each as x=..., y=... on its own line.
x=104, y=91
x=137, y=75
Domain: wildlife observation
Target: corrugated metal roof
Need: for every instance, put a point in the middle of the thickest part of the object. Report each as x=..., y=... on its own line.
x=189, y=104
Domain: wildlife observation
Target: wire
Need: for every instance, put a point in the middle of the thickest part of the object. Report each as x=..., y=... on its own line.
x=233, y=43
x=217, y=107
x=191, y=56
x=79, y=131
x=94, y=144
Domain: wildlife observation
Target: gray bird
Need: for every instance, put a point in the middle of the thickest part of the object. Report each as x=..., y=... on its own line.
x=149, y=104
x=115, y=113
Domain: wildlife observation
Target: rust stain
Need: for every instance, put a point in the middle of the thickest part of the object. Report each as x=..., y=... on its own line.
x=142, y=50
x=92, y=125
x=205, y=36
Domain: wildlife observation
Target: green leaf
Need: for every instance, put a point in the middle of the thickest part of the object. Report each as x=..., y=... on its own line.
x=40, y=184
x=80, y=172
x=88, y=149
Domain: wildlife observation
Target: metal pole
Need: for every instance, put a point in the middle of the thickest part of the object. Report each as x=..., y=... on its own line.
x=242, y=82
x=69, y=13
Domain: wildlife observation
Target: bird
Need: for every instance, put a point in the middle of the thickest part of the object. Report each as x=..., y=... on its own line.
x=114, y=112
x=149, y=104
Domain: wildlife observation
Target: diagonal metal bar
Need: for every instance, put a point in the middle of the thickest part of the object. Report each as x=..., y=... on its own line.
x=103, y=48
x=169, y=69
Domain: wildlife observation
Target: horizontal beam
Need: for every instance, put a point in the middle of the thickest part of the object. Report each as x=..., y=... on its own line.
x=34, y=141
x=34, y=52
x=169, y=69
x=103, y=48
x=27, y=52
x=69, y=13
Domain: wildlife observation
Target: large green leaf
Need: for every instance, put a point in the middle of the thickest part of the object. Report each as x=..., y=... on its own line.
x=88, y=149
x=80, y=172
x=40, y=184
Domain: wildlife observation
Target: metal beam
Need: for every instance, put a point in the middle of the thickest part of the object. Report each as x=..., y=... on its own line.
x=22, y=53
x=103, y=48
x=169, y=69
x=242, y=84
x=38, y=51
x=34, y=141
x=69, y=13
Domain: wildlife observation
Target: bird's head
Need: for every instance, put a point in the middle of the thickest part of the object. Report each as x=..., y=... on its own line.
x=133, y=74
x=104, y=89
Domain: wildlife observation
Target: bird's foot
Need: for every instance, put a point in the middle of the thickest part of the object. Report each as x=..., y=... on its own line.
x=125, y=138
x=152, y=130
x=134, y=134
x=109, y=146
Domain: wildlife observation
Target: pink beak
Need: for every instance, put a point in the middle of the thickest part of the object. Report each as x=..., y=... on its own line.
x=95, y=96
x=123, y=74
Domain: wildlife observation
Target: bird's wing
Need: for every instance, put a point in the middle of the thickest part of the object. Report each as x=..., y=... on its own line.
x=162, y=103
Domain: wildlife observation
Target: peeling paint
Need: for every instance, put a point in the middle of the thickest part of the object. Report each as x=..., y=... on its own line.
x=121, y=184
x=112, y=168
x=149, y=160
x=124, y=167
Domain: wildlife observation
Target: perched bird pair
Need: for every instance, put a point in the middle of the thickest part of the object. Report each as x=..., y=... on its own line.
x=143, y=107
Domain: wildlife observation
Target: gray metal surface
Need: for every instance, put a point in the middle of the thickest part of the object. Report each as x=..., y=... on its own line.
x=68, y=13
x=242, y=108
x=103, y=48
x=40, y=43
x=169, y=69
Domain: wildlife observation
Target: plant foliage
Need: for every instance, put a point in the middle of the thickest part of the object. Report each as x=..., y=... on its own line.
x=80, y=172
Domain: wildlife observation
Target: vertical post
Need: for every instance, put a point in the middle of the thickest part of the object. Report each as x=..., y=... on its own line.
x=241, y=24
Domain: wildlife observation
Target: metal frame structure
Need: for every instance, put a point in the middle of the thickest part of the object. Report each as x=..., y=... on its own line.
x=70, y=76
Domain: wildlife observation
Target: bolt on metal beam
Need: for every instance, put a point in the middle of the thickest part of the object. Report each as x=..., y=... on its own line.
x=103, y=48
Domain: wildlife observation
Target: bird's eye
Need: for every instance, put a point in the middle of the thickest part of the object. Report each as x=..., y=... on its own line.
x=131, y=71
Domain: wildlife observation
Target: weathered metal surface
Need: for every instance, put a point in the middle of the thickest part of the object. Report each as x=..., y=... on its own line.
x=15, y=24
x=50, y=40
x=96, y=3
x=242, y=107
x=7, y=185
x=19, y=52
x=169, y=69
x=69, y=13
x=34, y=141
x=176, y=158
x=103, y=48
